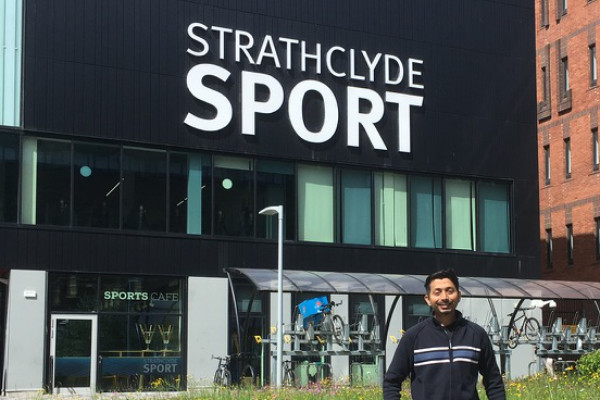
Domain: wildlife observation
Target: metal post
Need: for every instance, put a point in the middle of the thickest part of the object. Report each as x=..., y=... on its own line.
x=279, y=340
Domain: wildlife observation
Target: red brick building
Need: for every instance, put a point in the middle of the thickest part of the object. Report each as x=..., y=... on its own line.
x=568, y=34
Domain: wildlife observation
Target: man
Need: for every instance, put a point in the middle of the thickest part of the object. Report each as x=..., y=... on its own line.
x=444, y=354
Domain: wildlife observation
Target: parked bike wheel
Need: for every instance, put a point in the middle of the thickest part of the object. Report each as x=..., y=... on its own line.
x=222, y=378
x=248, y=375
x=513, y=342
x=289, y=379
x=532, y=329
x=338, y=328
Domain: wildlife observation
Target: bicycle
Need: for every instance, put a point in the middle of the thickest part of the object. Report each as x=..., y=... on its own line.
x=318, y=312
x=289, y=376
x=222, y=374
x=529, y=327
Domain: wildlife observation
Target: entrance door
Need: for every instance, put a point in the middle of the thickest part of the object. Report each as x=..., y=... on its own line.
x=73, y=353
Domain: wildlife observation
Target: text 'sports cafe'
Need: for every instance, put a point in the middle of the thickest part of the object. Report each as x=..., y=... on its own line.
x=139, y=140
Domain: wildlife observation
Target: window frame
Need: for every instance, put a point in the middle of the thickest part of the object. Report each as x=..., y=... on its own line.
x=568, y=158
x=547, y=165
x=595, y=150
x=570, y=244
x=549, y=245
x=593, y=64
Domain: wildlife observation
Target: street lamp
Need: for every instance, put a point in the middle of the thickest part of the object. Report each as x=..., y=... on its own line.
x=272, y=210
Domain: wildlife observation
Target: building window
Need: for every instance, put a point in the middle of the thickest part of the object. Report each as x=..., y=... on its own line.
x=565, y=93
x=233, y=191
x=563, y=6
x=190, y=193
x=593, y=66
x=570, y=244
x=595, y=150
x=9, y=177
x=549, y=248
x=493, y=205
x=275, y=185
x=568, y=158
x=97, y=181
x=597, y=234
x=46, y=186
x=426, y=212
x=355, y=206
x=543, y=109
x=547, y=164
x=544, y=13
x=315, y=203
x=391, y=209
x=460, y=214
x=564, y=62
x=144, y=189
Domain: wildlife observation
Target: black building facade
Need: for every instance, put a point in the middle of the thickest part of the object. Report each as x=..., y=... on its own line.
x=399, y=137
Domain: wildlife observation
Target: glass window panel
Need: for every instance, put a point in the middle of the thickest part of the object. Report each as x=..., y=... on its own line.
x=190, y=193
x=275, y=185
x=9, y=177
x=140, y=294
x=356, y=206
x=139, y=350
x=391, y=209
x=426, y=212
x=96, y=179
x=73, y=293
x=315, y=203
x=144, y=189
x=460, y=214
x=547, y=164
x=53, y=178
x=595, y=150
x=494, y=216
x=234, y=196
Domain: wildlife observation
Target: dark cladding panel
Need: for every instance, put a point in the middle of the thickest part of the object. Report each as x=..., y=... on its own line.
x=117, y=70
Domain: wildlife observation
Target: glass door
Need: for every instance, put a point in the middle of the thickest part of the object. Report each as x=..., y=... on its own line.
x=73, y=353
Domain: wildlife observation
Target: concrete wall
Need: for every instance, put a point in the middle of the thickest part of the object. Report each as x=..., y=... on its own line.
x=25, y=349
x=207, y=327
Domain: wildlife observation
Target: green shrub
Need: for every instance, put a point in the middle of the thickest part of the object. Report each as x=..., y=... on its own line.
x=589, y=363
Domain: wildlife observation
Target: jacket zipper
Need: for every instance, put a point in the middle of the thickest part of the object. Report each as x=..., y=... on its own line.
x=449, y=334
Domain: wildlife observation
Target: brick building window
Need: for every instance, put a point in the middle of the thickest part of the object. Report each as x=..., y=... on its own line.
x=593, y=65
x=597, y=234
x=549, y=248
x=564, y=85
x=561, y=9
x=544, y=13
x=544, y=110
x=547, y=164
x=570, y=244
x=595, y=150
x=568, y=158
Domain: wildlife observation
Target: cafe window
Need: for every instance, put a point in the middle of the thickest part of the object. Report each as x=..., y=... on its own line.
x=140, y=332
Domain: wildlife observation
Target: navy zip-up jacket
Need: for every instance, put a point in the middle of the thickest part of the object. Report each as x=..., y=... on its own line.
x=444, y=362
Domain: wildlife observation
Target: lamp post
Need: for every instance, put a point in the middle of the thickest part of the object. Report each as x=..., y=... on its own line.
x=272, y=210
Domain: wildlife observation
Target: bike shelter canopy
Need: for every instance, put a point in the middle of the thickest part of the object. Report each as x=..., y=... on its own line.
x=392, y=284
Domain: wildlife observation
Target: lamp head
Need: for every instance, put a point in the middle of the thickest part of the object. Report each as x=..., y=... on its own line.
x=272, y=210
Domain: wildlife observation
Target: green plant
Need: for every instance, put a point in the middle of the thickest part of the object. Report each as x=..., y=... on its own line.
x=589, y=363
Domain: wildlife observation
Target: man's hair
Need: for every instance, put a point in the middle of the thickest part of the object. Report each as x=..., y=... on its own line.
x=442, y=274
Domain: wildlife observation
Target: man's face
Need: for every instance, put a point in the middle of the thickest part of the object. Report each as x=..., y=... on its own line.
x=443, y=296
